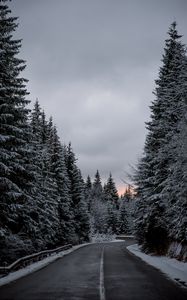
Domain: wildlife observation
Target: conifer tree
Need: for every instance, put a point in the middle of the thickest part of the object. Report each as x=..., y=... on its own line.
x=154, y=168
x=122, y=222
x=16, y=176
x=111, y=218
x=44, y=192
x=110, y=192
x=88, y=192
x=175, y=190
x=97, y=186
x=59, y=173
x=80, y=218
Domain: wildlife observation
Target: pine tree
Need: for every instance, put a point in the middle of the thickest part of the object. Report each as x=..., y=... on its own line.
x=176, y=185
x=97, y=208
x=111, y=193
x=16, y=176
x=59, y=173
x=112, y=218
x=97, y=186
x=44, y=193
x=154, y=168
x=88, y=193
x=122, y=222
x=81, y=219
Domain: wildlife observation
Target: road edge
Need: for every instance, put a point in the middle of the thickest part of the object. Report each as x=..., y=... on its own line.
x=13, y=276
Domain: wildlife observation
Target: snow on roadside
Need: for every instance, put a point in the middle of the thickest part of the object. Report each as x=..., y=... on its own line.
x=123, y=236
x=37, y=265
x=175, y=269
x=101, y=238
x=117, y=241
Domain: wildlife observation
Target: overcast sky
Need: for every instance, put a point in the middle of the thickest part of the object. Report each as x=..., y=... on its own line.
x=92, y=65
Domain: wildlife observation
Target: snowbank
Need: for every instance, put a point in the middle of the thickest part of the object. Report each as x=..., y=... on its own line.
x=36, y=266
x=125, y=236
x=101, y=237
x=175, y=269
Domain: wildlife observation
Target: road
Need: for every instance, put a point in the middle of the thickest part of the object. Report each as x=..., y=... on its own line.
x=95, y=272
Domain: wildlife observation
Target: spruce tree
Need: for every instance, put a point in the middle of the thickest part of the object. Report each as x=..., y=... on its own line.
x=87, y=193
x=176, y=185
x=122, y=222
x=80, y=213
x=44, y=192
x=154, y=168
x=97, y=191
x=110, y=192
x=60, y=176
x=16, y=176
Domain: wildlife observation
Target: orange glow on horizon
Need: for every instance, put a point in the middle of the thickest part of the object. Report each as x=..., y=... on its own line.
x=122, y=189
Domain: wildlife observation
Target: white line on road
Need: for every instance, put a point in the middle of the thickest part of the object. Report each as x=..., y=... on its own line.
x=102, y=286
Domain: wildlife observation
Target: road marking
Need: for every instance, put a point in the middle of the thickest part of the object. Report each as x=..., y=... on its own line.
x=102, y=286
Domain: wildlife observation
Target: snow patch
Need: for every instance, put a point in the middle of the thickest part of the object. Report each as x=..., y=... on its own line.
x=117, y=241
x=100, y=238
x=175, y=269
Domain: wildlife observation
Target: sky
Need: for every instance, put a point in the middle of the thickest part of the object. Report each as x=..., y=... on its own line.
x=92, y=66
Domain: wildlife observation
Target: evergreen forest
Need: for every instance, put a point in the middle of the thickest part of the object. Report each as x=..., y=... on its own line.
x=44, y=200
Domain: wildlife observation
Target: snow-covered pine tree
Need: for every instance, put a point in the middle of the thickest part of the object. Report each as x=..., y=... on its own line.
x=98, y=209
x=152, y=229
x=175, y=190
x=111, y=218
x=111, y=193
x=97, y=191
x=126, y=211
x=111, y=199
x=16, y=177
x=44, y=191
x=122, y=221
x=88, y=192
x=36, y=121
x=80, y=213
x=59, y=173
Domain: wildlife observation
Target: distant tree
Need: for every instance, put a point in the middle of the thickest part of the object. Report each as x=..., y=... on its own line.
x=110, y=192
x=97, y=191
x=112, y=218
x=123, y=216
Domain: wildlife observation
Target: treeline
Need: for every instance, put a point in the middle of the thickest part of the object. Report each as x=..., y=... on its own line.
x=41, y=188
x=44, y=201
x=108, y=214
x=161, y=177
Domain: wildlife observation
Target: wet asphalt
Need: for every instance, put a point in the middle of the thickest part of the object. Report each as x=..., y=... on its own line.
x=77, y=276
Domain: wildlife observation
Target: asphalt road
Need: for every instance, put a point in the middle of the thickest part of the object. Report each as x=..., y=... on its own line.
x=96, y=272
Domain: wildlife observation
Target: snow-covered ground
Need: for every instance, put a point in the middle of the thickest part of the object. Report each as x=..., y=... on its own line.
x=173, y=268
x=36, y=266
x=101, y=237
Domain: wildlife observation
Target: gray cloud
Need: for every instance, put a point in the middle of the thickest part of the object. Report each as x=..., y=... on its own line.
x=92, y=64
